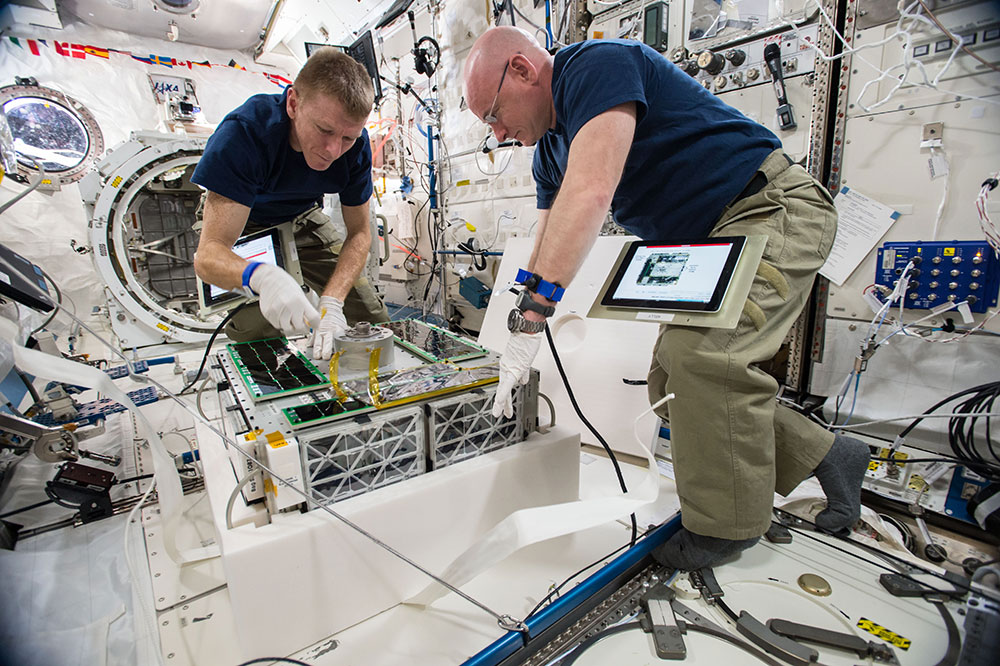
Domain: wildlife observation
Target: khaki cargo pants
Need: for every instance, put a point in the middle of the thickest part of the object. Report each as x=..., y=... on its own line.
x=318, y=248
x=734, y=446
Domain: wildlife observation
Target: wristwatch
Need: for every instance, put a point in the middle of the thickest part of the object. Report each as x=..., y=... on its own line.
x=516, y=323
x=525, y=302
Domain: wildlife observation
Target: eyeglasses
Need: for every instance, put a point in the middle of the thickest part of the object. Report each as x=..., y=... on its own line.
x=490, y=117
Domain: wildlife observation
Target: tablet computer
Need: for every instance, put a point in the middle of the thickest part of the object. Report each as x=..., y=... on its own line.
x=274, y=246
x=689, y=275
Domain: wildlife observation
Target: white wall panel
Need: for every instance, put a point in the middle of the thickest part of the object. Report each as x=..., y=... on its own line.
x=117, y=91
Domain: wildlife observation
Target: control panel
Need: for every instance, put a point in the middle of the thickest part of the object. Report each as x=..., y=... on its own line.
x=943, y=272
x=746, y=65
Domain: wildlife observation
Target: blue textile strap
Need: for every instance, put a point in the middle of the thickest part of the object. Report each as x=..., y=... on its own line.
x=247, y=272
x=549, y=290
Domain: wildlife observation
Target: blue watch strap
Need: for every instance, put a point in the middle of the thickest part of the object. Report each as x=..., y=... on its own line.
x=534, y=282
x=248, y=272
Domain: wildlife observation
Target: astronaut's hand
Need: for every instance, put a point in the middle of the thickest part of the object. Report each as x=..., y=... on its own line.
x=332, y=322
x=282, y=301
x=515, y=367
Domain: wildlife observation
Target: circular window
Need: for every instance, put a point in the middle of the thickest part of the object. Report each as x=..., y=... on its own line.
x=51, y=130
x=177, y=6
x=46, y=133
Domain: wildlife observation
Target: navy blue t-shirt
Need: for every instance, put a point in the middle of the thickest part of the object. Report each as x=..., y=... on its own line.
x=691, y=153
x=249, y=160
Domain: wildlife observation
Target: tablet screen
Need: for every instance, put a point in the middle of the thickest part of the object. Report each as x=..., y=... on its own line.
x=262, y=247
x=681, y=275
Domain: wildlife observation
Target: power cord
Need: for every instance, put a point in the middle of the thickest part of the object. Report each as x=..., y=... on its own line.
x=592, y=429
x=272, y=660
x=211, y=341
x=978, y=403
x=555, y=590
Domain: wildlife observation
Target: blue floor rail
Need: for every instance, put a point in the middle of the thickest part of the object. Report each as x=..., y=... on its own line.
x=614, y=573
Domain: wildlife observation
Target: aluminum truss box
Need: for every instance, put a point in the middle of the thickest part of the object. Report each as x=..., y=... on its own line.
x=351, y=457
x=462, y=426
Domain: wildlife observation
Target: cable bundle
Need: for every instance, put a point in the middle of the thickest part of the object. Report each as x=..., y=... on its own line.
x=962, y=430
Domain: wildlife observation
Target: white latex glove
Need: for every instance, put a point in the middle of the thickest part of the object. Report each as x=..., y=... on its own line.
x=282, y=301
x=332, y=322
x=515, y=367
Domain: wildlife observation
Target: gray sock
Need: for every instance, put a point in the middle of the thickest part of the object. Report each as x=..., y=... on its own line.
x=840, y=473
x=689, y=551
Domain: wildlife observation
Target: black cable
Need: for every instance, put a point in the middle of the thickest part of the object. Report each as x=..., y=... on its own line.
x=962, y=431
x=592, y=429
x=58, y=500
x=727, y=610
x=130, y=479
x=211, y=341
x=951, y=656
x=26, y=508
x=571, y=658
x=954, y=396
x=558, y=587
x=271, y=660
x=880, y=553
x=953, y=460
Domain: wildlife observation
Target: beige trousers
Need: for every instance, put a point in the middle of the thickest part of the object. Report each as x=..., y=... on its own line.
x=733, y=445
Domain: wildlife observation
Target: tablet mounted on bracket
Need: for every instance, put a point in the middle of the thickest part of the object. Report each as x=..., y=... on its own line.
x=701, y=282
x=275, y=246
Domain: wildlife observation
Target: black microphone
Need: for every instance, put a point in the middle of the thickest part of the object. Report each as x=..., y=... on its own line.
x=786, y=115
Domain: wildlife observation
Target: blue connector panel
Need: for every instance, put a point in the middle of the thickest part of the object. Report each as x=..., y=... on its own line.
x=943, y=272
x=92, y=412
x=475, y=291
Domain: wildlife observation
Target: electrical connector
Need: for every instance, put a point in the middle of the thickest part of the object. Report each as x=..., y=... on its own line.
x=867, y=351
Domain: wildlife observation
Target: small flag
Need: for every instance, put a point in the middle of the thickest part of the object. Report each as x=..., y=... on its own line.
x=96, y=51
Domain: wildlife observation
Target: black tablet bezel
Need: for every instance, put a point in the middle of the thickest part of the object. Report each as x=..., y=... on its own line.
x=275, y=234
x=736, y=243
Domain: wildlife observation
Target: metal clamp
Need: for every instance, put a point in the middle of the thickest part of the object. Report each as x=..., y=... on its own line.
x=49, y=444
x=667, y=638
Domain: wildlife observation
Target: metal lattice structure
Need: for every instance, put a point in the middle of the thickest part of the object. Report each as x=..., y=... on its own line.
x=351, y=458
x=462, y=427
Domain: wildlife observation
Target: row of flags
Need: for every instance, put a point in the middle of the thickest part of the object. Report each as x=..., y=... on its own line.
x=83, y=51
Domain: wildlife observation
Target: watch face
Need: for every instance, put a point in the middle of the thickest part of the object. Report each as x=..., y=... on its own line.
x=514, y=320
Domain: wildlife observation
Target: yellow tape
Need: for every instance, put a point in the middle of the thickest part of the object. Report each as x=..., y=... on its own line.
x=883, y=633
x=334, y=380
x=440, y=392
x=276, y=440
x=373, y=389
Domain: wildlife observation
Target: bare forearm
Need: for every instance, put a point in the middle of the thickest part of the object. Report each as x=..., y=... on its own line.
x=215, y=262
x=594, y=167
x=570, y=231
x=543, y=218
